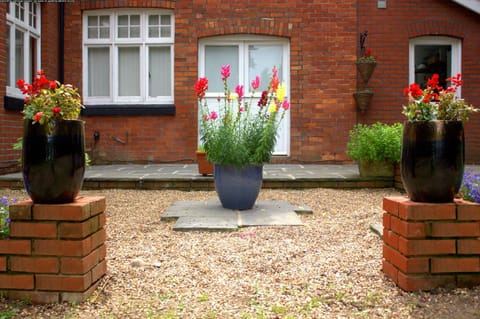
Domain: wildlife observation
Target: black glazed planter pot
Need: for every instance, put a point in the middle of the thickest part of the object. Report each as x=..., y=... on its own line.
x=433, y=160
x=53, y=164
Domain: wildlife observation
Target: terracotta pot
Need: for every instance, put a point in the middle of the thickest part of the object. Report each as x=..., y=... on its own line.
x=204, y=166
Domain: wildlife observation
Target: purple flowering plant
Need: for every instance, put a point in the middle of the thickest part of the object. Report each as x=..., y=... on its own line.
x=470, y=189
x=5, y=202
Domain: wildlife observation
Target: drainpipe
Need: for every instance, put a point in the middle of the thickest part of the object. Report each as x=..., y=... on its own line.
x=61, y=40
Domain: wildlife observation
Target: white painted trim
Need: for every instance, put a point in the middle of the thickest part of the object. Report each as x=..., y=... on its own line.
x=473, y=5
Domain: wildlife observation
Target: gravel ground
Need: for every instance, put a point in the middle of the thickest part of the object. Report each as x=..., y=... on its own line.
x=328, y=268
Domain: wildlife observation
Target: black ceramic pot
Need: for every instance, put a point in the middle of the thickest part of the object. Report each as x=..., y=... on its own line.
x=238, y=188
x=53, y=164
x=433, y=159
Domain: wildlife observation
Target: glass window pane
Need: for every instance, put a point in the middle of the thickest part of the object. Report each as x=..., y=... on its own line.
x=92, y=21
x=159, y=72
x=8, y=56
x=104, y=27
x=19, y=55
x=129, y=71
x=123, y=20
x=215, y=58
x=135, y=20
x=431, y=59
x=135, y=32
x=261, y=60
x=153, y=19
x=33, y=67
x=153, y=32
x=166, y=20
x=98, y=72
x=166, y=32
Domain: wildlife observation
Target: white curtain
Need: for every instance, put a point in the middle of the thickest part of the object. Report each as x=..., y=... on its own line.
x=98, y=72
x=215, y=57
x=159, y=72
x=129, y=71
x=261, y=60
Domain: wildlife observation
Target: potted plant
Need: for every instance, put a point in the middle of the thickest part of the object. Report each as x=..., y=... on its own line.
x=376, y=148
x=205, y=167
x=53, y=143
x=238, y=138
x=433, y=146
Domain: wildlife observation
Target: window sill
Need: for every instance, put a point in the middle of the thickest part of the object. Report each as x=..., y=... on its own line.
x=130, y=109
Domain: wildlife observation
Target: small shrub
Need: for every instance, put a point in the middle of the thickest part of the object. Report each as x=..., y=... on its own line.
x=470, y=189
x=376, y=142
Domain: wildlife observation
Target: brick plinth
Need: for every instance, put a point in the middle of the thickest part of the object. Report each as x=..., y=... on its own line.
x=55, y=253
x=428, y=245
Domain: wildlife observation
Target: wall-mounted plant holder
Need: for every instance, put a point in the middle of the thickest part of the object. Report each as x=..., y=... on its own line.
x=363, y=98
x=365, y=69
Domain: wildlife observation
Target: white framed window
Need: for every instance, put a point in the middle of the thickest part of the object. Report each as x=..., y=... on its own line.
x=434, y=54
x=23, y=44
x=128, y=56
x=248, y=56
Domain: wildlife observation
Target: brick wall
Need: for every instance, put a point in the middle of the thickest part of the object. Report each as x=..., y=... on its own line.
x=321, y=76
x=323, y=48
x=431, y=245
x=389, y=32
x=55, y=253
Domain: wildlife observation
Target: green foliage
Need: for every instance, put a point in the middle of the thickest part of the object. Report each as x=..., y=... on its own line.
x=239, y=134
x=376, y=142
x=48, y=101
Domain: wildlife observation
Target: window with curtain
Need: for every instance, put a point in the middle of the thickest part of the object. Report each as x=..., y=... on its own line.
x=23, y=44
x=248, y=56
x=128, y=57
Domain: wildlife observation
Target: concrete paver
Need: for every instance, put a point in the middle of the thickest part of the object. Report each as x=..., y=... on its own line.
x=210, y=215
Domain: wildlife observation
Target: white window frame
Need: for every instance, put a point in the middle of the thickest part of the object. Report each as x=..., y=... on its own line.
x=456, y=59
x=113, y=42
x=243, y=41
x=28, y=32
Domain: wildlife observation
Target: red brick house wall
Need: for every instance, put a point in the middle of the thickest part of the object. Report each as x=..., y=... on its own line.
x=323, y=48
x=389, y=32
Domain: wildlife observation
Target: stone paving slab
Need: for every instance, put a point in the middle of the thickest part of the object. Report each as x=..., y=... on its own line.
x=210, y=215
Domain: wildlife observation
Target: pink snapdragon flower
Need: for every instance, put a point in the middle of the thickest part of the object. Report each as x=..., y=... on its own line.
x=225, y=72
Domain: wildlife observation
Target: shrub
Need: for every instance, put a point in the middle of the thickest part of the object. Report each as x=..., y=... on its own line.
x=376, y=142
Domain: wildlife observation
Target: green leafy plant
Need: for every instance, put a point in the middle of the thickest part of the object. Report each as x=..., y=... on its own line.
x=48, y=101
x=239, y=135
x=376, y=142
x=436, y=102
x=366, y=56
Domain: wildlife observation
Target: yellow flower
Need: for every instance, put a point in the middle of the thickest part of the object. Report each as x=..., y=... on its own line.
x=282, y=88
x=272, y=107
x=232, y=97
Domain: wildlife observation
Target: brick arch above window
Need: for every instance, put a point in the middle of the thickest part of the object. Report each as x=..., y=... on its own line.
x=112, y=4
x=435, y=28
x=257, y=26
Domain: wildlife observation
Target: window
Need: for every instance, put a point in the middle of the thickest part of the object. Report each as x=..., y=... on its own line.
x=128, y=57
x=23, y=44
x=248, y=57
x=430, y=55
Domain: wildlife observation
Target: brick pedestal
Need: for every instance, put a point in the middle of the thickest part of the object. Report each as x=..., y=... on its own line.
x=55, y=253
x=428, y=245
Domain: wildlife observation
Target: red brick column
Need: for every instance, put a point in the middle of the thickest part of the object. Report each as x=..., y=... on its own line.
x=55, y=253
x=428, y=245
